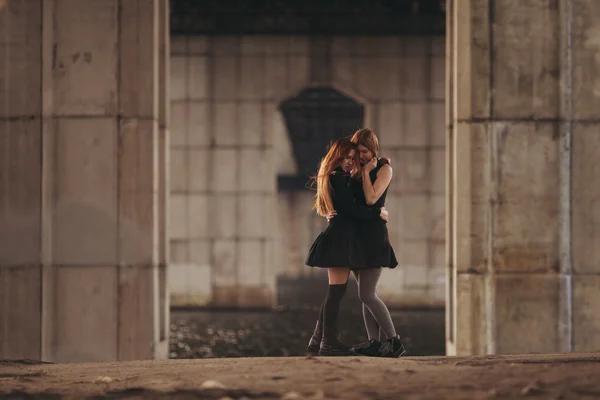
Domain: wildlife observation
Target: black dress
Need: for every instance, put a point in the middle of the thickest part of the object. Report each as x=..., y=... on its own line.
x=373, y=233
x=339, y=245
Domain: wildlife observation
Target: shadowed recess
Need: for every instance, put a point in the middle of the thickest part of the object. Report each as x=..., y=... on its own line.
x=349, y=17
x=314, y=118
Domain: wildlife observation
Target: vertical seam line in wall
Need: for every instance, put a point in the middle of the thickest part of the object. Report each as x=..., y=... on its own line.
x=237, y=161
x=42, y=202
x=491, y=21
x=428, y=159
x=41, y=165
x=565, y=220
x=264, y=148
x=6, y=63
x=118, y=153
x=489, y=279
x=186, y=151
x=211, y=200
x=448, y=175
x=55, y=158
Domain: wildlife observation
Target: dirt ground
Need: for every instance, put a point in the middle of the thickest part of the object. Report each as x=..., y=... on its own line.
x=572, y=376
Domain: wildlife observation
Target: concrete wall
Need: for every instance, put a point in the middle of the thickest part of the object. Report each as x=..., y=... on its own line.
x=231, y=232
x=83, y=155
x=525, y=203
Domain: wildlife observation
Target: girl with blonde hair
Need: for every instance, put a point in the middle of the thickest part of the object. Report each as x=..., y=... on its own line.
x=370, y=189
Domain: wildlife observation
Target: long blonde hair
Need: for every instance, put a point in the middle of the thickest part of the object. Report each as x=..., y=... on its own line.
x=337, y=152
x=366, y=137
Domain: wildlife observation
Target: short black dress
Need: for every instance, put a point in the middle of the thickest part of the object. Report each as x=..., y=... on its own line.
x=339, y=245
x=373, y=233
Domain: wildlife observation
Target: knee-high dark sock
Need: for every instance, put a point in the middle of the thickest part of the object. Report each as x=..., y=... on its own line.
x=321, y=313
x=318, y=332
x=331, y=308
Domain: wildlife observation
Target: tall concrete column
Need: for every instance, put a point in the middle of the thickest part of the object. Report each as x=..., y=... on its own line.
x=449, y=183
x=82, y=178
x=164, y=111
x=525, y=210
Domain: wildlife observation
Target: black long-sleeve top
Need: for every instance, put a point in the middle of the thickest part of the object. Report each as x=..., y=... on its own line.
x=343, y=198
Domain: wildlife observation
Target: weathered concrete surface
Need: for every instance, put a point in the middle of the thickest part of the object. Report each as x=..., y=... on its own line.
x=83, y=178
x=522, y=222
x=541, y=376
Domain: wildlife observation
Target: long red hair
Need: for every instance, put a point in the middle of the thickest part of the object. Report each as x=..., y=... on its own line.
x=337, y=152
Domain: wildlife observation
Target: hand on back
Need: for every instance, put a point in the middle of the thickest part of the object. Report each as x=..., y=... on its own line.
x=384, y=214
x=331, y=215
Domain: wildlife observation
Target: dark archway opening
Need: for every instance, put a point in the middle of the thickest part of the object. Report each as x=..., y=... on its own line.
x=314, y=118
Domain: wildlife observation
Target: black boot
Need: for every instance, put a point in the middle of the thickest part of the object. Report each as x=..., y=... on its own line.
x=333, y=347
x=315, y=340
x=370, y=348
x=330, y=345
x=392, y=348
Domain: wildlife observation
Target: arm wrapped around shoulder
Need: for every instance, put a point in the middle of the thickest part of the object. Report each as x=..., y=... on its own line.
x=344, y=199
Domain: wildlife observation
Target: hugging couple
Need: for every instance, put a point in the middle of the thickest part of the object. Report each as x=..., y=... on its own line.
x=352, y=185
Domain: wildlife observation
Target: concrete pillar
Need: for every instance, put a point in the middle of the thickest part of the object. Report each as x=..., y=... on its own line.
x=449, y=182
x=525, y=201
x=164, y=102
x=82, y=138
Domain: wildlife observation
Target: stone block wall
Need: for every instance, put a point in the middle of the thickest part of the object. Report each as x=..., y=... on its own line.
x=232, y=233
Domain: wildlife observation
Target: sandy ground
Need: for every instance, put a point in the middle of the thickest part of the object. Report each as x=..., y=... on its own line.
x=572, y=376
